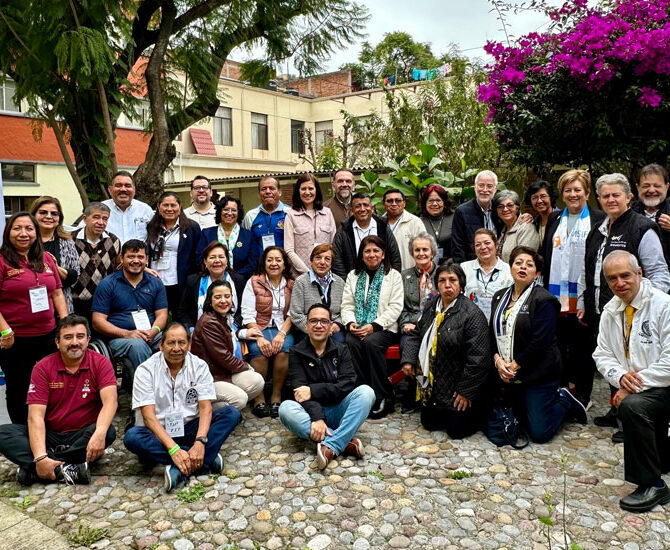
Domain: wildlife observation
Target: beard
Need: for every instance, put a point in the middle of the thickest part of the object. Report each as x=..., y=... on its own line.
x=653, y=203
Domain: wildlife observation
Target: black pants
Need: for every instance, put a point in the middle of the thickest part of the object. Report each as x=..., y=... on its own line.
x=457, y=424
x=70, y=447
x=173, y=293
x=17, y=363
x=370, y=363
x=646, y=450
x=577, y=344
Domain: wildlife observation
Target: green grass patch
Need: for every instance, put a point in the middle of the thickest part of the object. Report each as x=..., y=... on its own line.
x=85, y=535
x=378, y=475
x=192, y=493
x=24, y=504
x=458, y=474
x=9, y=493
x=231, y=475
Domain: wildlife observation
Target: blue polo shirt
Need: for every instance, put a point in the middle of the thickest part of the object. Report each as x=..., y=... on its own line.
x=117, y=298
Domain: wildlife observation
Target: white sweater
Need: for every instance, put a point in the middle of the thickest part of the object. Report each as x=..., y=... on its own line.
x=390, y=300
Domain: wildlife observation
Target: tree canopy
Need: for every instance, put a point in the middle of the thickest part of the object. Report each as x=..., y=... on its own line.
x=72, y=61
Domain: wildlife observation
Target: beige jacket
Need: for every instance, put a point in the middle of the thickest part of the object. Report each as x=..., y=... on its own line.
x=302, y=231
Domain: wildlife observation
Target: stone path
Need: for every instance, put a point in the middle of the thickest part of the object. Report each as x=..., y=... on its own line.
x=406, y=493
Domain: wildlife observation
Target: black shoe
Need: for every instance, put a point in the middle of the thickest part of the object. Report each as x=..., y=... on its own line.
x=261, y=410
x=617, y=437
x=381, y=408
x=274, y=410
x=644, y=499
x=577, y=411
x=25, y=477
x=608, y=420
x=409, y=409
x=73, y=474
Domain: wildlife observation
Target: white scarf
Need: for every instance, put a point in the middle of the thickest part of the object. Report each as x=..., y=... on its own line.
x=505, y=337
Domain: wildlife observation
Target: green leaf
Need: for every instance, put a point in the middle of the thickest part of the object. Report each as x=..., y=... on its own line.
x=428, y=151
x=370, y=177
x=546, y=521
x=415, y=160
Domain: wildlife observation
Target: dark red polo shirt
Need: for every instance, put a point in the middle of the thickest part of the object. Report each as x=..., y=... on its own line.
x=72, y=400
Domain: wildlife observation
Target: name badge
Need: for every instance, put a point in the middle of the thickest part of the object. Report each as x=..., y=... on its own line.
x=163, y=263
x=141, y=319
x=439, y=255
x=174, y=424
x=39, y=299
x=268, y=240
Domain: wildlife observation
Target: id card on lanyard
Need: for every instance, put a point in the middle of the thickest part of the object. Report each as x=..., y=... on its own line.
x=174, y=419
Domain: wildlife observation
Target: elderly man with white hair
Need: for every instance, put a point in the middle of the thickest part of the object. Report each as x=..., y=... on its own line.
x=472, y=215
x=633, y=354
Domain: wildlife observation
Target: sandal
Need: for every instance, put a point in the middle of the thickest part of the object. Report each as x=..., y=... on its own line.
x=261, y=410
x=274, y=410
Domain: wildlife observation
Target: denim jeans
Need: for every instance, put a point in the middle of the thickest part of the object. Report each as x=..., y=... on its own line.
x=269, y=333
x=343, y=419
x=135, y=349
x=545, y=409
x=141, y=441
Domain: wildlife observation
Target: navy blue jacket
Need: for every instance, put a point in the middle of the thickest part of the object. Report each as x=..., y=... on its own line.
x=186, y=264
x=245, y=254
x=467, y=219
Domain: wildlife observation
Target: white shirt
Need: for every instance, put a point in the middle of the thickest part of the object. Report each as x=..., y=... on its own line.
x=360, y=233
x=130, y=223
x=480, y=287
x=154, y=385
x=166, y=266
x=203, y=220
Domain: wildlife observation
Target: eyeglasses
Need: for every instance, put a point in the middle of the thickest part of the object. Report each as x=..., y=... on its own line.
x=510, y=206
x=539, y=197
x=489, y=187
x=230, y=210
x=435, y=201
x=200, y=188
x=394, y=201
x=322, y=322
x=48, y=214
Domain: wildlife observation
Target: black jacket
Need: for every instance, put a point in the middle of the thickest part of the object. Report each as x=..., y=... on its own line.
x=663, y=208
x=188, y=307
x=467, y=219
x=330, y=377
x=535, y=343
x=345, y=246
x=463, y=356
x=596, y=217
x=188, y=242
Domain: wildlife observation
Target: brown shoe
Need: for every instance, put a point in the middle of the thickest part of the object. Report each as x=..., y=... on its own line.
x=354, y=448
x=324, y=455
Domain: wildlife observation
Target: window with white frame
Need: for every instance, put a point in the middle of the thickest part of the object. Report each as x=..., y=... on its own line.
x=259, y=131
x=322, y=131
x=142, y=115
x=297, y=132
x=7, y=92
x=223, y=126
x=19, y=173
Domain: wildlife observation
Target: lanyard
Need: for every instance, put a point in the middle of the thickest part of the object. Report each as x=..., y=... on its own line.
x=495, y=273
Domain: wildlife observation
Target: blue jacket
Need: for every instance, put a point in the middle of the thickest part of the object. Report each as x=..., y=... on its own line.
x=260, y=223
x=245, y=258
x=186, y=262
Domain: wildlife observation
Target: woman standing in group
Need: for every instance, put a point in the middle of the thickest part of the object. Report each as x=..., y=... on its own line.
x=57, y=242
x=371, y=304
x=449, y=352
x=307, y=224
x=215, y=342
x=229, y=231
x=437, y=216
x=265, y=316
x=31, y=297
x=487, y=273
x=172, y=240
x=527, y=359
x=541, y=196
x=514, y=233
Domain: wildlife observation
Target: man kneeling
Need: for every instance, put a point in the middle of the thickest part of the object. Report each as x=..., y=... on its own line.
x=71, y=405
x=328, y=408
x=173, y=392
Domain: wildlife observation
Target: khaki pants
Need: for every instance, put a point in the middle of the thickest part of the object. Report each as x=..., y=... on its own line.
x=244, y=386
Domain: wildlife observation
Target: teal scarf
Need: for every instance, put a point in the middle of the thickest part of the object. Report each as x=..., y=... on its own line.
x=366, y=306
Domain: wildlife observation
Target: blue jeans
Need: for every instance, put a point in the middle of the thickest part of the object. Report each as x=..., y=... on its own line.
x=269, y=333
x=135, y=349
x=545, y=410
x=141, y=441
x=343, y=419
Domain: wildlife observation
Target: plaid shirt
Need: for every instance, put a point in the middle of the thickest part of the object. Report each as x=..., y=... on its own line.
x=96, y=262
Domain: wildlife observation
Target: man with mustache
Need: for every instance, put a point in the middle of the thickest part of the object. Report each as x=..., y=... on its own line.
x=128, y=217
x=652, y=191
x=71, y=404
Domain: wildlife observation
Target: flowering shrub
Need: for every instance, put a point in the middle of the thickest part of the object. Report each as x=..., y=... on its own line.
x=595, y=87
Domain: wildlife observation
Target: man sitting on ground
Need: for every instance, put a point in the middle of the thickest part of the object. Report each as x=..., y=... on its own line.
x=328, y=408
x=632, y=355
x=71, y=404
x=173, y=392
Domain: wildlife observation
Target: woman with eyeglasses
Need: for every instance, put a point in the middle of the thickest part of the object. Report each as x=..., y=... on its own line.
x=506, y=208
x=242, y=257
x=541, y=196
x=437, y=216
x=57, y=242
x=172, y=239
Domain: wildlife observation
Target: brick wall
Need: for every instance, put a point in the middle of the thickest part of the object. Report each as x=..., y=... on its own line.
x=231, y=69
x=324, y=85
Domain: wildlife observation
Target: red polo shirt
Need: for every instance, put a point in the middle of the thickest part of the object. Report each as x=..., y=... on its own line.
x=72, y=400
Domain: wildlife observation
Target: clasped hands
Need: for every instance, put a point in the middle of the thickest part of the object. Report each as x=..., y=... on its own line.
x=361, y=332
x=268, y=349
x=506, y=371
x=631, y=382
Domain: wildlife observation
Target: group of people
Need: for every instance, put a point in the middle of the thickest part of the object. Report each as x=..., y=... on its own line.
x=208, y=303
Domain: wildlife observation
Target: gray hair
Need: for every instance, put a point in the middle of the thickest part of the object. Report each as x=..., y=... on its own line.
x=504, y=195
x=613, y=179
x=96, y=206
x=426, y=236
x=485, y=173
x=612, y=256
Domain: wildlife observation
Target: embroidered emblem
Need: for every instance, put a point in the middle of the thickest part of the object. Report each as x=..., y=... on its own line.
x=191, y=396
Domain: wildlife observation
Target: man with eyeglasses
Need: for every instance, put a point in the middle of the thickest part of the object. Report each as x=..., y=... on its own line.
x=327, y=407
x=404, y=225
x=472, y=215
x=202, y=210
x=340, y=203
x=128, y=217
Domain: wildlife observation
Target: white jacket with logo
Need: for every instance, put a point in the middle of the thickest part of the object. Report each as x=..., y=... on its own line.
x=649, y=339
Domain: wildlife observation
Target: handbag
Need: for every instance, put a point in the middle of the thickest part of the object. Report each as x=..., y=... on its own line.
x=502, y=427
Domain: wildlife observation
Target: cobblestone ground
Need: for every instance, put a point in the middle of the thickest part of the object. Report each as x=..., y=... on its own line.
x=406, y=493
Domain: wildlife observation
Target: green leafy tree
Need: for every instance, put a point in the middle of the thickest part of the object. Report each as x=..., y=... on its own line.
x=71, y=60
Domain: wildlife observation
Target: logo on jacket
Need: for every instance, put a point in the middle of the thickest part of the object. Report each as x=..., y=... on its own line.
x=644, y=330
x=191, y=396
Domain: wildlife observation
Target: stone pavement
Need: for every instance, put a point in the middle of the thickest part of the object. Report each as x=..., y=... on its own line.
x=406, y=493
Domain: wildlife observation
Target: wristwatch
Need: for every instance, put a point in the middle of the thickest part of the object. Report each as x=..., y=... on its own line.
x=203, y=439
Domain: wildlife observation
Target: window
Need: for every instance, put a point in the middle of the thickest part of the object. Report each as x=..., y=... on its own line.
x=142, y=115
x=21, y=173
x=259, y=131
x=7, y=91
x=223, y=126
x=14, y=205
x=322, y=131
x=297, y=132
